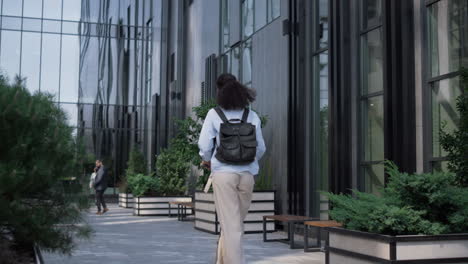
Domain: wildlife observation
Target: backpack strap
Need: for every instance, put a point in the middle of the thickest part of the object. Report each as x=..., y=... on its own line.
x=245, y=115
x=221, y=114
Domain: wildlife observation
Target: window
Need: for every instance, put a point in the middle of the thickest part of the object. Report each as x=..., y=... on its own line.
x=247, y=62
x=30, y=60
x=32, y=8
x=444, y=112
x=12, y=7
x=72, y=10
x=247, y=18
x=50, y=64
x=372, y=97
x=52, y=9
x=225, y=30
x=69, y=74
x=448, y=36
x=447, y=42
x=320, y=110
x=149, y=60
x=258, y=13
x=10, y=53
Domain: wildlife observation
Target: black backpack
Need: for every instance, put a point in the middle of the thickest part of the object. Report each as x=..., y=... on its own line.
x=238, y=141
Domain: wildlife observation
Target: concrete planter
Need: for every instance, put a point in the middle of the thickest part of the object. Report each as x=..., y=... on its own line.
x=157, y=206
x=355, y=247
x=206, y=218
x=126, y=200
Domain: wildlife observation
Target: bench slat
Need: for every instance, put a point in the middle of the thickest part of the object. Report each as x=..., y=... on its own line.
x=327, y=223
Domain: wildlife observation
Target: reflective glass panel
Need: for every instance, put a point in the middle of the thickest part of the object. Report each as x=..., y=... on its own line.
x=12, y=7
x=322, y=23
x=247, y=18
x=70, y=27
x=373, y=129
x=371, y=13
x=444, y=113
x=247, y=62
x=70, y=69
x=274, y=7
x=52, y=26
x=10, y=53
x=71, y=10
x=372, y=62
x=235, y=61
x=50, y=68
x=71, y=110
x=448, y=36
x=32, y=24
x=11, y=23
x=53, y=9
x=225, y=30
x=374, y=178
x=30, y=60
x=260, y=13
x=32, y=8
x=320, y=91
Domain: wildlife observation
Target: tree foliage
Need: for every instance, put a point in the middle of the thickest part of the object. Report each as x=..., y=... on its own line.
x=37, y=153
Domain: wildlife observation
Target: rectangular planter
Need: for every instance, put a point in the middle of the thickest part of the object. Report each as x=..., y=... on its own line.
x=353, y=247
x=126, y=200
x=206, y=218
x=158, y=206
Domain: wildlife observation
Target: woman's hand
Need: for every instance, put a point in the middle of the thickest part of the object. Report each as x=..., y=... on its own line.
x=206, y=164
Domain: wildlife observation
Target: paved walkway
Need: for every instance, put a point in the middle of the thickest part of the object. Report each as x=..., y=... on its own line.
x=121, y=237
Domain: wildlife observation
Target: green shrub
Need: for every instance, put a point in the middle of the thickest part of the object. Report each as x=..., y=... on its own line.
x=456, y=143
x=263, y=181
x=136, y=164
x=37, y=153
x=142, y=185
x=429, y=203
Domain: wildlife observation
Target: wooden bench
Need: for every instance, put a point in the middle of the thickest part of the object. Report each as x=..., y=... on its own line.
x=291, y=221
x=318, y=225
x=181, y=209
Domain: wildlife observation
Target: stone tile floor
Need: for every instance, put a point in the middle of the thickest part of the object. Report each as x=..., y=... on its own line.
x=121, y=237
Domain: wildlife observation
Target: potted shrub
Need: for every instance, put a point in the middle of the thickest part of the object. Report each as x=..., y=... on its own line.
x=172, y=170
x=136, y=165
x=417, y=217
x=41, y=196
x=149, y=197
x=263, y=199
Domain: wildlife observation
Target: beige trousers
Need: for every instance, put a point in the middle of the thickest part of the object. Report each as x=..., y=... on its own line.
x=232, y=195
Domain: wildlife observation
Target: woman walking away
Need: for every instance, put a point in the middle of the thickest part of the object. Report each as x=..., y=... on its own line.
x=233, y=161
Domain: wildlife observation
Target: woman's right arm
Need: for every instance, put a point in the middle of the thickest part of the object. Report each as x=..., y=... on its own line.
x=207, y=134
x=261, y=147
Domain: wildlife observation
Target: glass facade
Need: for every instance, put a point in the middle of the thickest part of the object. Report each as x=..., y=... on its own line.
x=255, y=14
x=98, y=67
x=43, y=46
x=447, y=42
x=371, y=97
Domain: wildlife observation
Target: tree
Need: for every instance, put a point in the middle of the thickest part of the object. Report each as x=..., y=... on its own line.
x=37, y=153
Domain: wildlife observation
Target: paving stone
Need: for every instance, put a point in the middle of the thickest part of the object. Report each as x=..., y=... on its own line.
x=122, y=238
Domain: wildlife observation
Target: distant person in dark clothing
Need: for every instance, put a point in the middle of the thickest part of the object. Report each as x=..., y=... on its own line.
x=100, y=185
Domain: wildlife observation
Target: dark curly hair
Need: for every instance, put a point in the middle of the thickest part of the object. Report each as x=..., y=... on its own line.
x=232, y=94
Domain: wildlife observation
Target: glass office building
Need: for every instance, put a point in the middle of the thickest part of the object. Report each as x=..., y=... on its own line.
x=345, y=84
x=96, y=58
